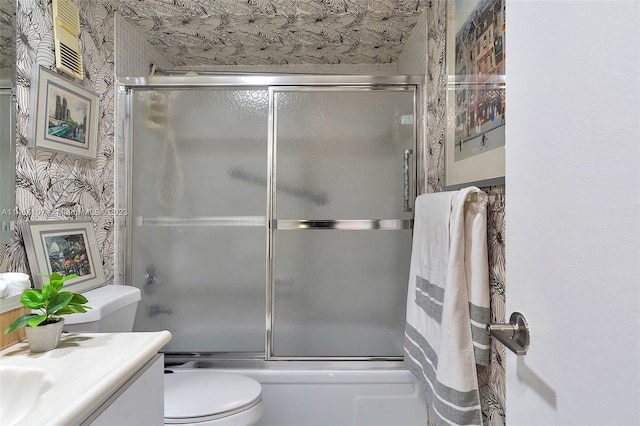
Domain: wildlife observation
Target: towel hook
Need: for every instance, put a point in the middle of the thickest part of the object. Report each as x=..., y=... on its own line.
x=515, y=335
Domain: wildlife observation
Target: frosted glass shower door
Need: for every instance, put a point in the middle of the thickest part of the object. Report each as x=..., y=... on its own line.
x=342, y=238
x=198, y=238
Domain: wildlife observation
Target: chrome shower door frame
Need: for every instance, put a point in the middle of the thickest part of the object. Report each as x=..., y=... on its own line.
x=275, y=83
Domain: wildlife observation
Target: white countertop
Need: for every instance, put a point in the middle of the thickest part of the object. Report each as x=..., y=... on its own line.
x=83, y=371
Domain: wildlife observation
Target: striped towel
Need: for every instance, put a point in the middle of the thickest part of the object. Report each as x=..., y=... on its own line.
x=448, y=303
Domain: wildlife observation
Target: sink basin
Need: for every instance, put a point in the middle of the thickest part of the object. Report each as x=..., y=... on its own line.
x=20, y=389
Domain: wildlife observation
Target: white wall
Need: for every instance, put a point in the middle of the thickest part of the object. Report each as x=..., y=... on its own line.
x=573, y=222
x=134, y=54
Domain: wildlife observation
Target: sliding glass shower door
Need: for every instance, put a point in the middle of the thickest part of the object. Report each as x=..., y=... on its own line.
x=272, y=222
x=342, y=239
x=198, y=193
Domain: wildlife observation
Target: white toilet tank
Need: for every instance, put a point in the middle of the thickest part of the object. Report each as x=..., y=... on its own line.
x=113, y=309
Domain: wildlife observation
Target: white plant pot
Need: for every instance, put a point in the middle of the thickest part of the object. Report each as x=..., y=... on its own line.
x=44, y=337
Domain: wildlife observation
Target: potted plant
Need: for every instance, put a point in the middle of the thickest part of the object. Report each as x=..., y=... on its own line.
x=44, y=330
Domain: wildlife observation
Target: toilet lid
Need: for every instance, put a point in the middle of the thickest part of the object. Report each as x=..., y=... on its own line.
x=203, y=393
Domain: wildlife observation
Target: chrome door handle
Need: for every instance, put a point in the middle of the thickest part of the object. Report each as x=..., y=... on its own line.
x=407, y=180
x=515, y=335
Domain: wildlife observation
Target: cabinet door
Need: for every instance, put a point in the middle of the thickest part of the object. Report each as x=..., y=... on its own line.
x=139, y=402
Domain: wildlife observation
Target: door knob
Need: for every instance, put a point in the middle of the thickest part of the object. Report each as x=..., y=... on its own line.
x=514, y=335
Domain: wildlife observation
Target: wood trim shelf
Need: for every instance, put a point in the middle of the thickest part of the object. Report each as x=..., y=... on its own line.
x=7, y=318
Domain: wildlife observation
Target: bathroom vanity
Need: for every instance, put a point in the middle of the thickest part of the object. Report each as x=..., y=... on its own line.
x=94, y=378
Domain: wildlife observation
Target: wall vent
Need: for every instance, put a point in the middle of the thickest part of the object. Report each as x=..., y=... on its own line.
x=66, y=29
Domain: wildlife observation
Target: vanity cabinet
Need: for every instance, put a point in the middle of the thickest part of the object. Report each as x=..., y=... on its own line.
x=139, y=402
x=96, y=379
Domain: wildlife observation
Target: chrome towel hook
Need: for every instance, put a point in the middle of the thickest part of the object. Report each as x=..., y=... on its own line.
x=515, y=335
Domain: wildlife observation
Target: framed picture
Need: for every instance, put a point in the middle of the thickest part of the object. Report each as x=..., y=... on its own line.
x=66, y=247
x=476, y=110
x=64, y=115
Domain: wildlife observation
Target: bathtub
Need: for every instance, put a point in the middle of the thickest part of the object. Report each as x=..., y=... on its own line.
x=333, y=397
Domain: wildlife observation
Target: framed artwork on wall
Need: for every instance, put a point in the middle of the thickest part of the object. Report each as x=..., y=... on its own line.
x=64, y=115
x=66, y=247
x=476, y=110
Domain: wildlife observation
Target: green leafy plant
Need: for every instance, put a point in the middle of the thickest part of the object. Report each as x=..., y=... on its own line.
x=51, y=301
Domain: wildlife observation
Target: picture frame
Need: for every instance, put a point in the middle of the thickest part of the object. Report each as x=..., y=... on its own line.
x=475, y=96
x=64, y=115
x=64, y=246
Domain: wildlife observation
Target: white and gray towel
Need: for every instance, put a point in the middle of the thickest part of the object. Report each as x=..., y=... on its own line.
x=448, y=303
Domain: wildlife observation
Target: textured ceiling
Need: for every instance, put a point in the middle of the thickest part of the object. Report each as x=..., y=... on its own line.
x=274, y=32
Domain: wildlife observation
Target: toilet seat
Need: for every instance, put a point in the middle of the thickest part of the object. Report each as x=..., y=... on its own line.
x=195, y=396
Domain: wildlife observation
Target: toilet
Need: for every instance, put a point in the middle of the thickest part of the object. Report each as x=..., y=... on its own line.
x=113, y=309
x=191, y=396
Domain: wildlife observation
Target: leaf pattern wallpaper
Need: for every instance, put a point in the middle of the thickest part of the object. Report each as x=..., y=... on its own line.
x=491, y=379
x=7, y=52
x=53, y=186
x=198, y=32
x=274, y=32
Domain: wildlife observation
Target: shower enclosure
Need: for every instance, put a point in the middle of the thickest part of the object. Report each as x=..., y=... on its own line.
x=269, y=217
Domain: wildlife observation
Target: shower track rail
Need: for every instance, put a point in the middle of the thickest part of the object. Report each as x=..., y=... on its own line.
x=210, y=80
x=204, y=360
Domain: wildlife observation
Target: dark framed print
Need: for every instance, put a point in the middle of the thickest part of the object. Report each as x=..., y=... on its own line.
x=476, y=110
x=66, y=247
x=64, y=115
